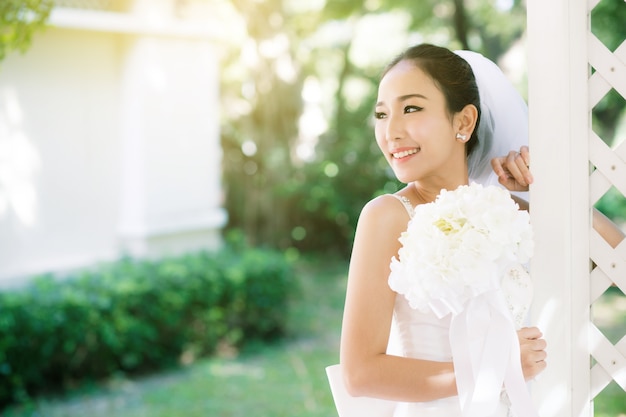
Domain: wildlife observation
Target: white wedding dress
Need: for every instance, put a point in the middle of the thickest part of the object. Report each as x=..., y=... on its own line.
x=503, y=127
x=423, y=335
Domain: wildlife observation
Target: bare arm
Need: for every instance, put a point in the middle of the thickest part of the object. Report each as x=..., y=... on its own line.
x=607, y=229
x=368, y=370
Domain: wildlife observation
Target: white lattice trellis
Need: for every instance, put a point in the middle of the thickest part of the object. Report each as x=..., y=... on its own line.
x=563, y=91
x=609, y=170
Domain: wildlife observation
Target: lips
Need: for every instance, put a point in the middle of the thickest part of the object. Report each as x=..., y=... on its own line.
x=405, y=153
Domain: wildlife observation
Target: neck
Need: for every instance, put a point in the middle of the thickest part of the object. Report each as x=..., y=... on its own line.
x=428, y=190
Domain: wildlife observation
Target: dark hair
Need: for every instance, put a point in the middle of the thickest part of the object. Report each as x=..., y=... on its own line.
x=451, y=73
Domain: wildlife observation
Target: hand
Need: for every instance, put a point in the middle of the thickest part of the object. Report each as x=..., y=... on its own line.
x=512, y=170
x=532, y=351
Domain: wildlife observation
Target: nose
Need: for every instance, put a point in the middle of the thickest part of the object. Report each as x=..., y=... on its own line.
x=394, y=128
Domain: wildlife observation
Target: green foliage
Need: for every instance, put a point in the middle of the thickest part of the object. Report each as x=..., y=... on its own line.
x=349, y=170
x=137, y=316
x=285, y=201
x=19, y=20
x=275, y=196
x=607, y=23
x=613, y=205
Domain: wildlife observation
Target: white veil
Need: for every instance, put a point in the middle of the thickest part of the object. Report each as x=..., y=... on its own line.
x=504, y=118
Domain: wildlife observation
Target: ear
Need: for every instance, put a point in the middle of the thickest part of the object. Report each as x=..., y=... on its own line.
x=465, y=120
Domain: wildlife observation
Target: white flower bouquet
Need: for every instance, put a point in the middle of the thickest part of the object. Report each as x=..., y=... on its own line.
x=457, y=254
x=460, y=246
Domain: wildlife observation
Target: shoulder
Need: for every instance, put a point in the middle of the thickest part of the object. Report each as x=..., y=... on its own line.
x=376, y=240
x=386, y=213
x=383, y=204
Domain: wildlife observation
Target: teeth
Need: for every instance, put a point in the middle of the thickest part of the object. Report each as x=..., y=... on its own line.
x=404, y=153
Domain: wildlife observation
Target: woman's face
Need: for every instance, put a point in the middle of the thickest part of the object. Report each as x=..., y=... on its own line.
x=413, y=128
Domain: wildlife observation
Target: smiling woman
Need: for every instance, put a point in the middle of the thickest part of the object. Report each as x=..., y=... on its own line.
x=429, y=127
x=414, y=122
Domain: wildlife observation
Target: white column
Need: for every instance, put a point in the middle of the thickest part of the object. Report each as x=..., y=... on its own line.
x=559, y=124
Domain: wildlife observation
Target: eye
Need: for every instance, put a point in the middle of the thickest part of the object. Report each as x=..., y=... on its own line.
x=379, y=115
x=412, y=109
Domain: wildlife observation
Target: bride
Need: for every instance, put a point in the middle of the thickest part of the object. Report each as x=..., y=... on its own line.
x=440, y=118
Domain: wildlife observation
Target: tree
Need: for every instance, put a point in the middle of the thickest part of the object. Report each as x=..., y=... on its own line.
x=274, y=196
x=19, y=20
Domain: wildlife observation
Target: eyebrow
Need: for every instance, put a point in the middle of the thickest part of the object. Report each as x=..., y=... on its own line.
x=406, y=97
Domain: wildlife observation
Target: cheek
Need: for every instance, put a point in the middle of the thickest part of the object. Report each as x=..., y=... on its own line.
x=379, y=133
x=433, y=130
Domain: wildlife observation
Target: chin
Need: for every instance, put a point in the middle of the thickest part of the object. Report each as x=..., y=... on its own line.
x=404, y=177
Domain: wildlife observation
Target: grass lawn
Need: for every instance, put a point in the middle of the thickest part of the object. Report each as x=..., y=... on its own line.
x=283, y=379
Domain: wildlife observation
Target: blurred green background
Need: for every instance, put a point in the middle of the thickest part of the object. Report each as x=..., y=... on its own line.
x=298, y=83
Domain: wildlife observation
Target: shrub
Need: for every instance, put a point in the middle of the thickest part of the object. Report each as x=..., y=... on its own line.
x=137, y=316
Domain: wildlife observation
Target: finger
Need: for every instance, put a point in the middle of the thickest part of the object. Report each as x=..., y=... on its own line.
x=535, y=357
x=513, y=168
x=529, y=333
x=538, y=345
x=540, y=366
x=522, y=164
x=543, y=355
x=496, y=165
x=523, y=170
x=525, y=152
x=531, y=367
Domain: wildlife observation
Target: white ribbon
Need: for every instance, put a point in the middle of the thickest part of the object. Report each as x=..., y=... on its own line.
x=486, y=356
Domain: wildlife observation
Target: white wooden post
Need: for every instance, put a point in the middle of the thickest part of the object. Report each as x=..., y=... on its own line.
x=560, y=211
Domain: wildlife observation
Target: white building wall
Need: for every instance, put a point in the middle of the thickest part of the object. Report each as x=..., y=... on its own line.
x=109, y=144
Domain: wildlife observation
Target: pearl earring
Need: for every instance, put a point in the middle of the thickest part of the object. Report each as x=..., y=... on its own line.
x=461, y=137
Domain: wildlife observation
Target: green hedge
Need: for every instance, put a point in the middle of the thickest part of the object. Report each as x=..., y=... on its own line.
x=137, y=316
